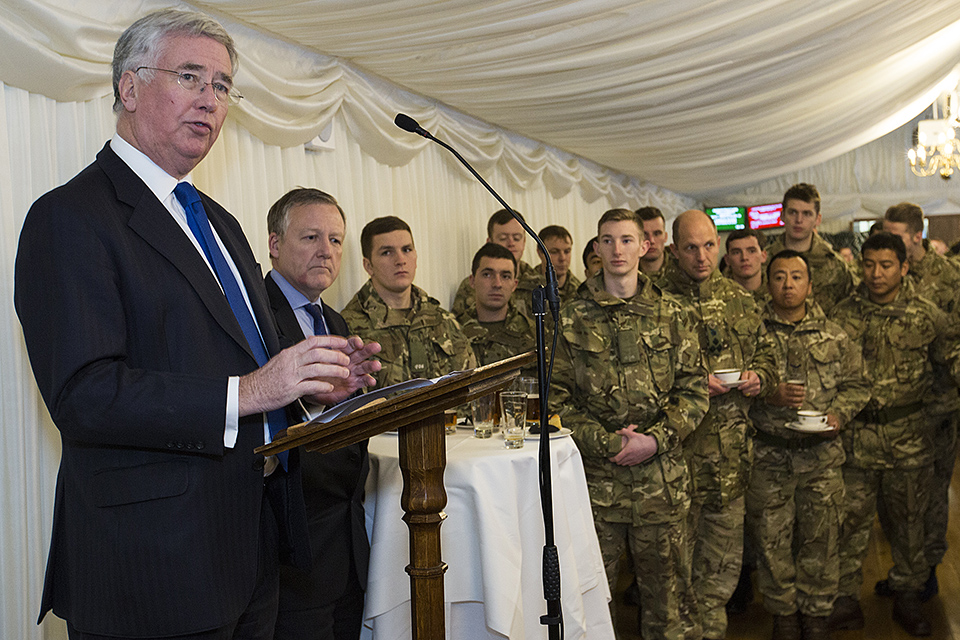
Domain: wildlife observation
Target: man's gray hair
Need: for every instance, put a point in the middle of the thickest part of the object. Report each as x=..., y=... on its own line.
x=139, y=45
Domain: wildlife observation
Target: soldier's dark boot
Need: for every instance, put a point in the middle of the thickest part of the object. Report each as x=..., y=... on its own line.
x=847, y=614
x=931, y=587
x=882, y=589
x=815, y=627
x=908, y=614
x=786, y=627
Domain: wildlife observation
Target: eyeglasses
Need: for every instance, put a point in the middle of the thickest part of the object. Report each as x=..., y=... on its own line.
x=191, y=82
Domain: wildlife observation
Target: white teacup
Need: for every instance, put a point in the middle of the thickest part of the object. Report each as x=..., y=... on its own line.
x=811, y=420
x=727, y=375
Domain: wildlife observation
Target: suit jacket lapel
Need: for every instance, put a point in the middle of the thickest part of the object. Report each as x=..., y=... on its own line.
x=283, y=312
x=152, y=222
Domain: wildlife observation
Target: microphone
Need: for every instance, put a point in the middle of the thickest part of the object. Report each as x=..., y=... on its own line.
x=551, y=562
x=407, y=123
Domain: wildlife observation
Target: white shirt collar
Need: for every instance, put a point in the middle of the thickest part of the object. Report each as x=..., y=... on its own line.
x=157, y=180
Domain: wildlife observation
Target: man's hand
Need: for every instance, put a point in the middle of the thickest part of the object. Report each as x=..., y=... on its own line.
x=315, y=366
x=637, y=447
x=716, y=387
x=787, y=395
x=360, y=369
x=834, y=423
x=752, y=385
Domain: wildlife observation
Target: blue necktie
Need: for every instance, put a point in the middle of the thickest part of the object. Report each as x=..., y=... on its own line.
x=200, y=226
x=319, y=325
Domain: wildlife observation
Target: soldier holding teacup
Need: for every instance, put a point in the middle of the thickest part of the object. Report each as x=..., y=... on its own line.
x=796, y=485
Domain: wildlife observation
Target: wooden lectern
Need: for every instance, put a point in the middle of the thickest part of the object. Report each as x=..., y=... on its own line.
x=418, y=417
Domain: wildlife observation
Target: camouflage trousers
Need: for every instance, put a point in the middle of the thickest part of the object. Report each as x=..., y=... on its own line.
x=794, y=519
x=905, y=496
x=935, y=520
x=716, y=537
x=938, y=506
x=662, y=566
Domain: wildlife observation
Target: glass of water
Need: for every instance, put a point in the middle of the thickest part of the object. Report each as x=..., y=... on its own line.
x=513, y=418
x=483, y=410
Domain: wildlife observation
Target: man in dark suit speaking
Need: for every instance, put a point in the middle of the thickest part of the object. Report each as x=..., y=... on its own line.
x=151, y=339
x=307, y=228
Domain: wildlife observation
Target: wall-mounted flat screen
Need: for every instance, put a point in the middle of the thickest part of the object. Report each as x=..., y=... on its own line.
x=728, y=218
x=765, y=216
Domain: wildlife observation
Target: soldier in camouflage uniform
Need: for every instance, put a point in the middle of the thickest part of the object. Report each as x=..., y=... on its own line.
x=655, y=260
x=833, y=278
x=719, y=452
x=504, y=230
x=592, y=264
x=795, y=496
x=745, y=259
x=938, y=280
x=889, y=445
x=419, y=338
x=559, y=243
x=629, y=383
x=499, y=330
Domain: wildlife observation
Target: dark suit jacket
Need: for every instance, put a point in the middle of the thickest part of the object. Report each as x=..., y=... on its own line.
x=156, y=523
x=333, y=491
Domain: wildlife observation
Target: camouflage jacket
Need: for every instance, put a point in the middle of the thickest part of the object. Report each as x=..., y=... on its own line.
x=667, y=259
x=514, y=336
x=426, y=344
x=622, y=362
x=938, y=280
x=465, y=300
x=762, y=294
x=732, y=336
x=566, y=292
x=833, y=279
x=901, y=343
x=836, y=383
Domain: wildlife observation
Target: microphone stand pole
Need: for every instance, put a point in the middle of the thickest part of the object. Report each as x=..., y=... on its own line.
x=551, y=560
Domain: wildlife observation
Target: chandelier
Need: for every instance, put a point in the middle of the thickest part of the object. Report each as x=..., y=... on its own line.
x=937, y=149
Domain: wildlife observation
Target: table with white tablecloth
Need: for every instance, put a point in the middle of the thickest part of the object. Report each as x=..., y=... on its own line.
x=492, y=541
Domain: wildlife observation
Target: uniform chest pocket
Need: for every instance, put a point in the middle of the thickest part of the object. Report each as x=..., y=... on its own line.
x=592, y=357
x=910, y=346
x=659, y=360
x=825, y=359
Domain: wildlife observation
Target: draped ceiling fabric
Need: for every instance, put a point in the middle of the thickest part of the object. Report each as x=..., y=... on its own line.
x=569, y=107
x=698, y=98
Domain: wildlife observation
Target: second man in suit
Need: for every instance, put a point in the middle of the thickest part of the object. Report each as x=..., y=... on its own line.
x=307, y=229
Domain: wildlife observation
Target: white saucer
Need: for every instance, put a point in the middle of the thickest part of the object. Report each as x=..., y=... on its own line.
x=796, y=426
x=563, y=433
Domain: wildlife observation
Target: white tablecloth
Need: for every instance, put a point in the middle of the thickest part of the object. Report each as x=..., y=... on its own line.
x=492, y=541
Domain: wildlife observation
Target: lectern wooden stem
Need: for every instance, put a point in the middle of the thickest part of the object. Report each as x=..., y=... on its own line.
x=423, y=456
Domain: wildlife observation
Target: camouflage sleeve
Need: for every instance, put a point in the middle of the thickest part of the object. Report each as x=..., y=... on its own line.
x=853, y=389
x=945, y=350
x=464, y=357
x=463, y=300
x=591, y=438
x=688, y=400
x=766, y=362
